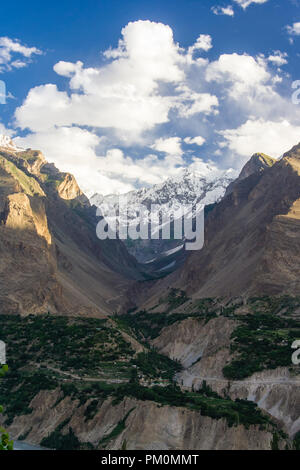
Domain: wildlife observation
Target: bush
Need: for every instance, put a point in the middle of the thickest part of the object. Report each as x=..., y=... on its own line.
x=5, y=442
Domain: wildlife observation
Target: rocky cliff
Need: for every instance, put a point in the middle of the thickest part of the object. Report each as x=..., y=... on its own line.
x=251, y=238
x=148, y=426
x=204, y=350
x=51, y=259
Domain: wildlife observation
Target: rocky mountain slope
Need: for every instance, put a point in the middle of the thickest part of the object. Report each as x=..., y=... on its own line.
x=190, y=187
x=251, y=238
x=257, y=164
x=232, y=359
x=119, y=392
x=51, y=259
x=148, y=426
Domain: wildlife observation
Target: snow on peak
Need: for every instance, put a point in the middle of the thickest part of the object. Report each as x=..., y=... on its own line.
x=7, y=143
x=189, y=187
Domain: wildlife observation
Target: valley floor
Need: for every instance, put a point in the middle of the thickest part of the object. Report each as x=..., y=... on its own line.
x=186, y=375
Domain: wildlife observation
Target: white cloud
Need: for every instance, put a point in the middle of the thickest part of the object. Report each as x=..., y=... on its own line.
x=171, y=145
x=198, y=140
x=5, y=131
x=278, y=58
x=124, y=94
x=204, y=42
x=242, y=72
x=293, y=30
x=75, y=150
x=218, y=10
x=258, y=135
x=245, y=3
x=248, y=86
x=11, y=48
x=190, y=102
x=145, y=87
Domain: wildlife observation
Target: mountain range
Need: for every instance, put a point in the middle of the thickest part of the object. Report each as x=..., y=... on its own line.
x=106, y=354
x=188, y=188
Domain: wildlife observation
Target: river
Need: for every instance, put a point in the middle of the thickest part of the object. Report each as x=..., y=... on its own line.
x=21, y=445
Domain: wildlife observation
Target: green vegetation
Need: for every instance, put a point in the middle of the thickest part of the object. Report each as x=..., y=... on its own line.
x=60, y=441
x=5, y=442
x=29, y=184
x=115, y=432
x=89, y=347
x=19, y=389
x=91, y=409
x=296, y=441
x=275, y=441
x=175, y=298
x=43, y=349
x=49, y=352
x=208, y=403
x=52, y=179
x=154, y=365
x=264, y=337
x=269, y=161
x=146, y=325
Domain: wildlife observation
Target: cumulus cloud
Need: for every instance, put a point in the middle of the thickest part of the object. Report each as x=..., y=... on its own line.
x=218, y=10
x=278, y=58
x=14, y=54
x=258, y=135
x=124, y=94
x=73, y=149
x=171, y=145
x=248, y=86
x=204, y=42
x=198, y=140
x=246, y=3
x=5, y=131
x=293, y=30
x=242, y=72
x=110, y=125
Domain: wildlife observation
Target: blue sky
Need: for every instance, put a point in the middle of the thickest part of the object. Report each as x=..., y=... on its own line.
x=197, y=83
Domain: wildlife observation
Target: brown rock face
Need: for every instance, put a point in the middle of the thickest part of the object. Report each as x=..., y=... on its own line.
x=257, y=164
x=50, y=257
x=69, y=190
x=148, y=426
x=252, y=238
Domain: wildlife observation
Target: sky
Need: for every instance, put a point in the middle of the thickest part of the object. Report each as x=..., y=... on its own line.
x=126, y=93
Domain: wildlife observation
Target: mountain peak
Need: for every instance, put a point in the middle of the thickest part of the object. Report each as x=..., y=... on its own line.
x=293, y=153
x=7, y=143
x=257, y=163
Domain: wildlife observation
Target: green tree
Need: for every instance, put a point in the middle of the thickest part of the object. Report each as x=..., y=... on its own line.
x=5, y=442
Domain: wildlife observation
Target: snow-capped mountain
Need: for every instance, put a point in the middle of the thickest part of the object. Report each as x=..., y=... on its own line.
x=190, y=187
x=6, y=142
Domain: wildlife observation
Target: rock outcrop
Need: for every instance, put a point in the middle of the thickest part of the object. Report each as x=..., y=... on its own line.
x=203, y=348
x=148, y=426
x=51, y=258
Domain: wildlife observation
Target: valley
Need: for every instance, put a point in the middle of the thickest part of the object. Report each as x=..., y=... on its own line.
x=89, y=366
x=104, y=355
